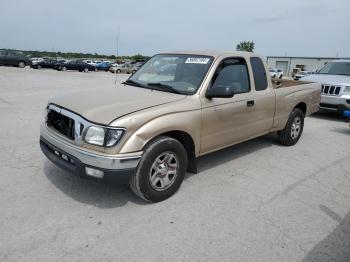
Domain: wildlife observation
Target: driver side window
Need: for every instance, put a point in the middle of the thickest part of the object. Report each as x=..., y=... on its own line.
x=233, y=72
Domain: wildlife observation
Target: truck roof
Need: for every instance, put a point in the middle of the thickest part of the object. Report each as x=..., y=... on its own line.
x=213, y=53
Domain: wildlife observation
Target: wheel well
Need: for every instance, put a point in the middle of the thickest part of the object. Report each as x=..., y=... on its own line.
x=186, y=140
x=302, y=107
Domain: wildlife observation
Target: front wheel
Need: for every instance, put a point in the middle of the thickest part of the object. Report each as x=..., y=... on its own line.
x=291, y=134
x=21, y=64
x=86, y=70
x=161, y=170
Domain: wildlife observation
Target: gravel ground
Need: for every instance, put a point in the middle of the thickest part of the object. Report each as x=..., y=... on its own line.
x=257, y=201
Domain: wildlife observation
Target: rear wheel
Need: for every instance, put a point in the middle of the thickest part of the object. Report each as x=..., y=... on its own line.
x=161, y=170
x=118, y=71
x=63, y=68
x=21, y=64
x=86, y=70
x=291, y=134
x=39, y=67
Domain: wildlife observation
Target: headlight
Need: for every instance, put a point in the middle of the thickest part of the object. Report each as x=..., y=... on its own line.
x=95, y=135
x=347, y=89
x=103, y=136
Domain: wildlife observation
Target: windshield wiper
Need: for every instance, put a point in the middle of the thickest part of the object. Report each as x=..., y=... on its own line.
x=132, y=83
x=168, y=87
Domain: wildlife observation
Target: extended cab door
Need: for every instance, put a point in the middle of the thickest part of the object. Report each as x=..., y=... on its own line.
x=227, y=121
x=264, y=97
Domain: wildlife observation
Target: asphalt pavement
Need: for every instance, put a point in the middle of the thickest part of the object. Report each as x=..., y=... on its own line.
x=256, y=201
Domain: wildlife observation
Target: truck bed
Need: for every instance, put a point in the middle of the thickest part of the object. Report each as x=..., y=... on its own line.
x=290, y=93
x=280, y=83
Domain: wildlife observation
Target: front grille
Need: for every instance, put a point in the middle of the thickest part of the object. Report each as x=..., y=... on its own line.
x=61, y=123
x=330, y=90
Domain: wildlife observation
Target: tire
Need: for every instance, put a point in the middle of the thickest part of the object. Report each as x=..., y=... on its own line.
x=86, y=70
x=63, y=68
x=118, y=71
x=21, y=64
x=133, y=71
x=161, y=170
x=39, y=67
x=281, y=76
x=291, y=134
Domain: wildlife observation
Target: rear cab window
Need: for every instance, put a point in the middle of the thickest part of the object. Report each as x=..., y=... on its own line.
x=259, y=73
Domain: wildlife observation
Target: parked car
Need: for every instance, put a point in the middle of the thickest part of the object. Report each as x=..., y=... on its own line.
x=276, y=73
x=13, y=58
x=124, y=68
x=335, y=80
x=136, y=67
x=47, y=63
x=103, y=66
x=90, y=62
x=301, y=74
x=150, y=131
x=78, y=65
x=36, y=60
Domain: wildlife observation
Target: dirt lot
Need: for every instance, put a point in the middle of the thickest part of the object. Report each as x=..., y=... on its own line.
x=257, y=201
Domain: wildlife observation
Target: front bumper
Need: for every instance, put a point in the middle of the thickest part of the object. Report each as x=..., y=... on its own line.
x=338, y=103
x=75, y=159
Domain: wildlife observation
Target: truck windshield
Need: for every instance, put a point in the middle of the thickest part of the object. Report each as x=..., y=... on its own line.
x=181, y=74
x=336, y=68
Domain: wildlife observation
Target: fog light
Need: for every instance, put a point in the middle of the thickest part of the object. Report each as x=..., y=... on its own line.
x=94, y=172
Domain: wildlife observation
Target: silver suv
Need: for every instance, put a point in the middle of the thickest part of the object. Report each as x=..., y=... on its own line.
x=335, y=80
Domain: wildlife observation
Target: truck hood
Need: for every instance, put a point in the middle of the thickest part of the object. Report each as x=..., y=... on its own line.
x=104, y=105
x=328, y=79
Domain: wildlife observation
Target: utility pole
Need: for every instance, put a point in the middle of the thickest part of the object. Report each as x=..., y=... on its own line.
x=116, y=74
x=117, y=41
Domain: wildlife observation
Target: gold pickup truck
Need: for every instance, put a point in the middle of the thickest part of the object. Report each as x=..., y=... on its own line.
x=178, y=106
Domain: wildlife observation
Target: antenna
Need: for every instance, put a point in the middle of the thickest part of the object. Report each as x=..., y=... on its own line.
x=116, y=73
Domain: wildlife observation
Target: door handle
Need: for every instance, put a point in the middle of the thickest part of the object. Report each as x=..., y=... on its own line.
x=250, y=103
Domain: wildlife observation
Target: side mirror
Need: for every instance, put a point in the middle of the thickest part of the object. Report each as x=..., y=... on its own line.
x=219, y=91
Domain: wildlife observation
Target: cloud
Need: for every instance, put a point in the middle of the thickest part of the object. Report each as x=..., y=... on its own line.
x=272, y=19
x=151, y=26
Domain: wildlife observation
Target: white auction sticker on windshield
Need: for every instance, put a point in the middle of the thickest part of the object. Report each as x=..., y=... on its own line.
x=197, y=60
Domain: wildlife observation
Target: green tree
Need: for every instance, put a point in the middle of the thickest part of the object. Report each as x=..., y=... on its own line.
x=137, y=57
x=246, y=46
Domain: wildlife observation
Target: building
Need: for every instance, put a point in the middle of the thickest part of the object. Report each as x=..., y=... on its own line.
x=291, y=65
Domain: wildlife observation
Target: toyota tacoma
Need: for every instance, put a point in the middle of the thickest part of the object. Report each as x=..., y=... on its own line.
x=177, y=107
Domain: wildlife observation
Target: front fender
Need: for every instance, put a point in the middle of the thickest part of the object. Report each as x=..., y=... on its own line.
x=188, y=122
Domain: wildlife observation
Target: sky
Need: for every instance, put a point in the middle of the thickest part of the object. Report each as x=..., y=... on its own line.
x=290, y=27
